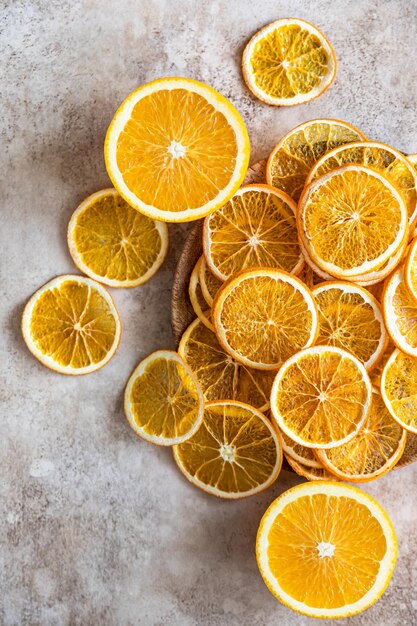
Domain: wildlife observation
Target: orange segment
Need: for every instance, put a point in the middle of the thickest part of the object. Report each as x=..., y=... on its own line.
x=410, y=269
x=400, y=313
x=198, y=302
x=298, y=453
x=209, y=283
x=399, y=389
x=311, y=473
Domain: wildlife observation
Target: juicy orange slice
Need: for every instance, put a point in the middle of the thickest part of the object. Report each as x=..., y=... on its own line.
x=209, y=283
x=311, y=473
x=221, y=377
x=198, y=302
x=298, y=453
x=316, y=539
x=351, y=221
x=256, y=228
x=263, y=316
x=321, y=396
x=410, y=269
x=400, y=313
x=115, y=244
x=399, y=389
x=295, y=154
x=376, y=448
x=235, y=452
x=71, y=325
x=163, y=400
x=351, y=318
x=176, y=149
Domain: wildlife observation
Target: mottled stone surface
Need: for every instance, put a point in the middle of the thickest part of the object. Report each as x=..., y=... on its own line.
x=97, y=527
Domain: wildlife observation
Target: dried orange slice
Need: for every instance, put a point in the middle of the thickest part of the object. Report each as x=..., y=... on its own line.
x=209, y=283
x=318, y=537
x=376, y=448
x=351, y=221
x=256, y=228
x=235, y=452
x=321, y=396
x=295, y=154
x=176, y=149
x=311, y=473
x=377, y=372
x=263, y=316
x=298, y=453
x=163, y=400
x=410, y=269
x=350, y=318
x=198, y=302
x=288, y=62
x=71, y=325
x=115, y=244
x=399, y=389
x=400, y=313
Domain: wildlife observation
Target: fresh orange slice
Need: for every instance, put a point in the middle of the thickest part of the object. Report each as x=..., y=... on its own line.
x=399, y=389
x=163, y=400
x=209, y=283
x=311, y=473
x=351, y=221
x=326, y=550
x=71, y=325
x=176, y=149
x=288, y=62
x=235, y=452
x=115, y=244
x=410, y=269
x=321, y=396
x=198, y=302
x=295, y=154
x=263, y=316
x=400, y=313
x=298, y=453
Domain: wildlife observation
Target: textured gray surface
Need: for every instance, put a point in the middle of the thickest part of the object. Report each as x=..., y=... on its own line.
x=99, y=528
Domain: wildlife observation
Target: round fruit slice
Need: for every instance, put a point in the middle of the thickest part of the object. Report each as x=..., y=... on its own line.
x=295, y=154
x=209, y=283
x=256, y=228
x=400, y=313
x=380, y=157
x=410, y=269
x=298, y=453
x=115, y=244
x=220, y=376
x=399, y=389
x=235, y=452
x=311, y=473
x=71, y=325
x=198, y=302
x=176, y=149
x=263, y=316
x=288, y=62
x=374, y=451
x=326, y=550
x=351, y=221
x=321, y=396
x=350, y=318
x=163, y=400
x=377, y=372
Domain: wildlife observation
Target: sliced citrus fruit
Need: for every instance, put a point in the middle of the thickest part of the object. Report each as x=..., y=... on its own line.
x=256, y=228
x=176, y=149
x=288, y=62
x=326, y=550
x=410, y=269
x=321, y=396
x=198, y=302
x=163, y=400
x=400, y=313
x=71, y=325
x=311, y=473
x=219, y=375
x=298, y=453
x=235, y=452
x=209, y=283
x=373, y=451
x=309, y=277
x=377, y=372
x=351, y=318
x=295, y=154
x=115, y=244
x=351, y=221
x=263, y=316
x=399, y=389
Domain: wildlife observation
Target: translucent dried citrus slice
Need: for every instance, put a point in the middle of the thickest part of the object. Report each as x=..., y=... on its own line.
x=235, y=452
x=176, y=149
x=163, y=400
x=399, y=389
x=311, y=473
x=376, y=373
x=321, y=396
x=256, y=228
x=115, y=244
x=71, y=325
x=326, y=550
x=410, y=269
x=351, y=221
x=298, y=453
x=400, y=313
x=295, y=154
x=209, y=283
x=263, y=316
x=198, y=302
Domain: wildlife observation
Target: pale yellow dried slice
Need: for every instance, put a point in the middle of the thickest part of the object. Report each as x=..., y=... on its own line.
x=298, y=453
x=311, y=473
x=410, y=269
x=400, y=313
x=209, y=283
x=399, y=389
x=198, y=302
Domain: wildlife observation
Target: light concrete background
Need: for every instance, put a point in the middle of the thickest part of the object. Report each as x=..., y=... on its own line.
x=97, y=527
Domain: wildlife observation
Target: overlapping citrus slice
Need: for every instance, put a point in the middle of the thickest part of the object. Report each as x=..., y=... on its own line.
x=351, y=221
x=311, y=473
x=235, y=452
x=209, y=283
x=399, y=389
x=374, y=450
x=263, y=316
x=288, y=62
x=400, y=313
x=256, y=228
x=350, y=318
x=321, y=396
x=326, y=550
x=71, y=325
x=410, y=269
x=163, y=400
x=295, y=154
x=176, y=149
x=198, y=302
x=115, y=244
x=298, y=453
x=376, y=373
